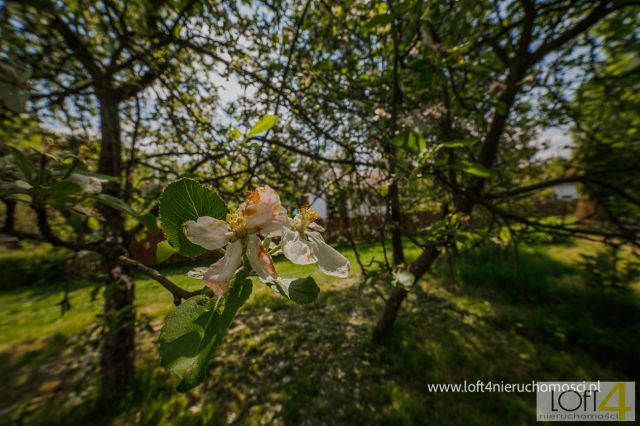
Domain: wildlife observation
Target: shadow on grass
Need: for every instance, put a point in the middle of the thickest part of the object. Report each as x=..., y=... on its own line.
x=545, y=300
x=44, y=381
x=315, y=364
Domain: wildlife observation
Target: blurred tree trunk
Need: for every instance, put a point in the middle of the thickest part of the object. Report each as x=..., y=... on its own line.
x=9, y=216
x=392, y=306
x=398, y=294
x=118, y=351
x=392, y=155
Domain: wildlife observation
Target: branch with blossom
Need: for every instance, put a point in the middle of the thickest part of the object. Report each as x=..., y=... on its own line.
x=262, y=215
x=194, y=219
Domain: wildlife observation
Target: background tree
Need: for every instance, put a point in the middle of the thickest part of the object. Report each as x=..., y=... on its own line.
x=113, y=69
x=605, y=130
x=444, y=101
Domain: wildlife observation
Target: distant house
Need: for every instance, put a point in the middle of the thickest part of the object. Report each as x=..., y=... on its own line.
x=566, y=192
x=319, y=204
x=367, y=182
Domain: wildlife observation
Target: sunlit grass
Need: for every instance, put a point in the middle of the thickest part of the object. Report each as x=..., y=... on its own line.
x=34, y=312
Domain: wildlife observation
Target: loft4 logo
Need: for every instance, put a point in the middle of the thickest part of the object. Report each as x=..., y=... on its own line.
x=572, y=400
x=585, y=401
x=621, y=408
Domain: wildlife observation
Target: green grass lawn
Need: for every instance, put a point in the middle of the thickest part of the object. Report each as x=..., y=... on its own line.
x=487, y=318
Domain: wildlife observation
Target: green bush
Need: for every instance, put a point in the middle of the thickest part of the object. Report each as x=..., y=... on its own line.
x=31, y=264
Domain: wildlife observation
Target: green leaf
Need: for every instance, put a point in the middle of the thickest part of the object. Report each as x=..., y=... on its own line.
x=379, y=20
x=116, y=203
x=62, y=192
x=108, y=178
x=475, y=169
x=304, y=290
x=64, y=187
x=301, y=290
x=234, y=133
x=410, y=141
x=185, y=200
x=23, y=163
x=164, y=251
x=193, y=332
x=420, y=64
x=460, y=143
x=150, y=222
x=264, y=124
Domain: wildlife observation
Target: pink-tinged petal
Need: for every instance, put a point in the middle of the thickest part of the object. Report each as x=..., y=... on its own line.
x=274, y=229
x=259, y=259
x=207, y=232
x=329, y=260
x=263, y=207
x=295, y=248
x=220, y=273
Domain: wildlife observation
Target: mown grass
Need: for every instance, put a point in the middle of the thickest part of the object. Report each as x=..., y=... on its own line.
x=492, y=319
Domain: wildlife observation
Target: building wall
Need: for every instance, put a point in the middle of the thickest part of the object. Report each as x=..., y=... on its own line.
x=566, y=191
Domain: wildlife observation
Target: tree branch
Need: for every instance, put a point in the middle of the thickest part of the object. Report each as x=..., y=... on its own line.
x=74, y=42
x=596, y=14
x=177, y=291
x=47, y=234
x=567, y=179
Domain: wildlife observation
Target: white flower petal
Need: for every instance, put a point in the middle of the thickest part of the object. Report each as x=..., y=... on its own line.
x=295, y=248
x=197, y=273
x=329, y=260
x=220, y=273
x=207, y=232
x=259, y=259
x=315, y=227
x=90, y=185
x=404, y=278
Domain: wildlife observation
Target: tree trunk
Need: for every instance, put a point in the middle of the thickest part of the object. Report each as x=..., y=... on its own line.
x=396, y=224
x=392, y=155
x=10, y=213
x=394, y=302
x=389, y=314
x=118, y=350
x=488, y=155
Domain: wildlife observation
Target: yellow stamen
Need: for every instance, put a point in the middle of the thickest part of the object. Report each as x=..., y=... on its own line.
x=237, y=221
x=307, y=215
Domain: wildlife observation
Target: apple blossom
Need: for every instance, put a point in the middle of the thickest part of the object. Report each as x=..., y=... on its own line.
x=303, y=244
x=263, y=214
